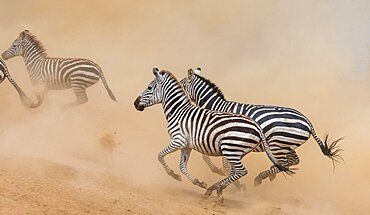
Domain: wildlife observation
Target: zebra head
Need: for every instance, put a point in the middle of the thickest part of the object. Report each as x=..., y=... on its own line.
x=152, y=94
x=17, y=48
x=190, y=83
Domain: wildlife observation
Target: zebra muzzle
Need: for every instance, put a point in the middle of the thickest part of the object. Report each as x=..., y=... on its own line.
x=137, y=104
x=4, y=56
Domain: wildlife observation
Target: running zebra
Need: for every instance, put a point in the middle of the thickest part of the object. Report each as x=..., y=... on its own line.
x=208, y=132
x=24, y=98
x=285, y=129
x=48, y=73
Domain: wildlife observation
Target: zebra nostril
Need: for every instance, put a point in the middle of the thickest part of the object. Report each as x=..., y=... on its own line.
x=3, y=55
x=136, y=104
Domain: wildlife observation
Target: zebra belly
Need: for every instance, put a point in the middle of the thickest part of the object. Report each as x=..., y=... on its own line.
x=206, y=149
x=59, y=87
x=57, y=84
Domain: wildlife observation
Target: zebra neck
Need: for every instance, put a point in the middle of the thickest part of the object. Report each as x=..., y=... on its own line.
x=174, y=103
x=32, y=56
x=33, y=66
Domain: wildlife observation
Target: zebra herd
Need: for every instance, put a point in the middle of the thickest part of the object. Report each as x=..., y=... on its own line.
x=198, y=115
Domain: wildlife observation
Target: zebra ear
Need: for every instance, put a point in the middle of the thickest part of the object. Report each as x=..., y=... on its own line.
x=197, y=70
x=190, y=73
x=155, y=71
x=23, y=33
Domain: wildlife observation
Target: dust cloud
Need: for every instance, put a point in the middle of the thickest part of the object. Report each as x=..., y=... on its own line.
x=309, y=55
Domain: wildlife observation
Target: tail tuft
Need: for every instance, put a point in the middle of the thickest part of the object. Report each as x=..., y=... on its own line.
x=332, y=150
x=287, y=170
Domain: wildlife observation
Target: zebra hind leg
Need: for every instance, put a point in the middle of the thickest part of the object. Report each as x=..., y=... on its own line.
x=185, y=154
x=227, y=170
x=290, y=159
x=223, y=171
x=237, y=171
x=213, y=167
x=81, y=95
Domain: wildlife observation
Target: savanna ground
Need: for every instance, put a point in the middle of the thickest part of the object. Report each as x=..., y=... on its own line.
x=101, y=157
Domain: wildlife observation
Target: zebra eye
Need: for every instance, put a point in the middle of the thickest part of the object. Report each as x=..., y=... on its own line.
x=150, y=87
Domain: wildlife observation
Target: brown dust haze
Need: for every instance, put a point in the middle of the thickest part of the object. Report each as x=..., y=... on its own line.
x=101, y=157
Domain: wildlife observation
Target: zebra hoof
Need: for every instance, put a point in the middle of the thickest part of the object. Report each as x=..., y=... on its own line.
x=242, y=187
x=220, y=200
x=177, y=177
x=272, y=177
x=257, y=181
x=209, y=191
x=174, y=175
x=200, y=184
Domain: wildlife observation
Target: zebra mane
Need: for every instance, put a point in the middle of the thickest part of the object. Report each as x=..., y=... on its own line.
x=37, y=43
x=212, y=85
x=171, y=76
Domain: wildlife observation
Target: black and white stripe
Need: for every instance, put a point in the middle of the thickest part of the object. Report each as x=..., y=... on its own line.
x=285, y=128
x=56, y=73
x=208, y=132
x=24, y=98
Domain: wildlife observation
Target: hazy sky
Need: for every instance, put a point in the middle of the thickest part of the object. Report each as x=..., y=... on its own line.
x=201, y=32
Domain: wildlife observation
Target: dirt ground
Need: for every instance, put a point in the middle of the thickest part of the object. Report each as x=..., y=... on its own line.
x=101, y=157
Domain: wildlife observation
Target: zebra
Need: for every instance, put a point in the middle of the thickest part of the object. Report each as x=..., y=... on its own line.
x=4, y=73
x=47, y=73
x=208, y=132
x=285, y=128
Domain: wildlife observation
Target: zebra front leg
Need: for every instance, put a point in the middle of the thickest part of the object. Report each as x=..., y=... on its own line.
x=237, y=171
x=185, y=154
x=213, y=167
x=290, y=159
x=167, y=150
x=40, y=92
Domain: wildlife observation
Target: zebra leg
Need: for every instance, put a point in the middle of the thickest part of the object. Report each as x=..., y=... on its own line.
x=237, y=171
x=167, y=150
x=185, y=154
x=227, y=170
x=224, y=171
x=40, y=92
x=81, y=95
x=213, y=167
x=291, y=159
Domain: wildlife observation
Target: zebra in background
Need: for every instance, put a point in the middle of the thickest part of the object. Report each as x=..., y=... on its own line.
x=3, y=70
x=48, y=73
x=24, y=98
x=285, y=128
x=208, y=132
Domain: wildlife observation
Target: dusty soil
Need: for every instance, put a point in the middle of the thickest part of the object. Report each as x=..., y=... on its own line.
x=36, y=186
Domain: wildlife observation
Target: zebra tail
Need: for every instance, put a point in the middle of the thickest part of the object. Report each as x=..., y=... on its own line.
x=331, y=150
x=111, y=95
x=24, y=98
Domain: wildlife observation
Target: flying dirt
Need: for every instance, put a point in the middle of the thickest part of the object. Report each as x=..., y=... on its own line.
x=100, y=157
